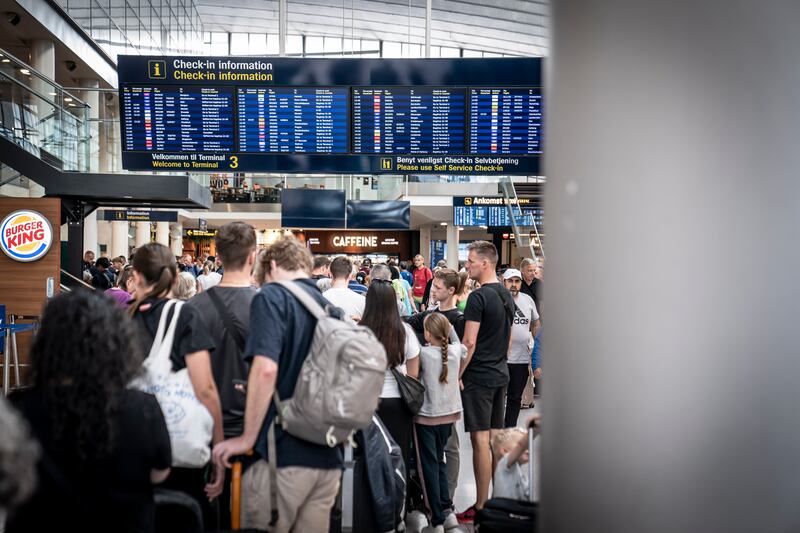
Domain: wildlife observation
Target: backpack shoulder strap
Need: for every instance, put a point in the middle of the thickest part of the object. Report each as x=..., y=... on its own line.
x=509, y=312
x=308, y=302
x=227, y=318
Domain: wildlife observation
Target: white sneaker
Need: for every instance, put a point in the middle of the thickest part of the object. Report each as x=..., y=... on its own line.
x=431, y=529
x=450, y=522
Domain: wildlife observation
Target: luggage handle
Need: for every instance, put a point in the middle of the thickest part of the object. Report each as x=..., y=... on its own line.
x=531, y=481
x=532, y=432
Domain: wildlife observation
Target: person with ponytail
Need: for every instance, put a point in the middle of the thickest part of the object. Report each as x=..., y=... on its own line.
x=439, y=363
x=155, y=275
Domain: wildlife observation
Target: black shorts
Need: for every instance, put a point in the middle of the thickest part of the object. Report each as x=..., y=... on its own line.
x=484, y=407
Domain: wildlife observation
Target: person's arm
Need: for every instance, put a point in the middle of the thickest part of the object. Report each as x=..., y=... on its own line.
x=412, y=367
x=469, y=341
x=416, y=322
x=260, y=388
x=199, y=367
x=158, y=476
x=411, y=298
x=535, y=326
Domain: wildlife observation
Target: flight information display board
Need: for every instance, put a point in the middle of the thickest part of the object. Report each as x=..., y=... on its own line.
x=403, y=120
x=167, y=118
x=299, y=120
x=457, y=116
x=492, y=211
x=506, y=121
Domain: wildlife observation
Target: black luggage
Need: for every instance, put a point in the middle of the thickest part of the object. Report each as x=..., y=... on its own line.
x=360, y=508
x=355, y=499
x=504, y=515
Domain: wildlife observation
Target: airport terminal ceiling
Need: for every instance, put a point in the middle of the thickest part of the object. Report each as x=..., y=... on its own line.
x=513, y=27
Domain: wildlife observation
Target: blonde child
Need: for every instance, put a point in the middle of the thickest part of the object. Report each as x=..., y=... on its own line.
x=511, y=446
x=439, y=363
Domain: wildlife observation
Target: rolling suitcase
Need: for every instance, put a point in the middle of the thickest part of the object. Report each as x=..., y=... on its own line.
x=504, y=515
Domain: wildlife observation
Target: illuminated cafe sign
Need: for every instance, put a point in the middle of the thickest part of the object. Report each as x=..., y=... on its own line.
x=359, y=242
x=363, y=241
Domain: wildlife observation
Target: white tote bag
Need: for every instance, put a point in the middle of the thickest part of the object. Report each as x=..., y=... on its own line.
x=189, y=423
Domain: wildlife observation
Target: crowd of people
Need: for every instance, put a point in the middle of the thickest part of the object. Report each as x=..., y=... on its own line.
x=174, y=369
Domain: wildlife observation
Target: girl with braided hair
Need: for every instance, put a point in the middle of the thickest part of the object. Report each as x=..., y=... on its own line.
x=439, y=362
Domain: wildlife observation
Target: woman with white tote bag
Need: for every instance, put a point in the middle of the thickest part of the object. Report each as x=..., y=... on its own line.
x=178, y=372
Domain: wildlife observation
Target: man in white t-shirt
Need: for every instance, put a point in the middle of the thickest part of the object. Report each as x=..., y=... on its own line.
x=339, y=295
x=523, y=330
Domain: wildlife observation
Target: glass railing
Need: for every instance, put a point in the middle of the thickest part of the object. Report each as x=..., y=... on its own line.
x=41, y=117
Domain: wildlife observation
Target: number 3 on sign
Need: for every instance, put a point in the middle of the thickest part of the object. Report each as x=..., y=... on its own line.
x=234, y=161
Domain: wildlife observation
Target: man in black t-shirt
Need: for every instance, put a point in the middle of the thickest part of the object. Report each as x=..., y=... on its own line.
x=225, y=310
x=487, y=336
x=281, y=330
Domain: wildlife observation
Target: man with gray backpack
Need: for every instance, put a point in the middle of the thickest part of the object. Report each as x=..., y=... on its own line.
x=324, y=375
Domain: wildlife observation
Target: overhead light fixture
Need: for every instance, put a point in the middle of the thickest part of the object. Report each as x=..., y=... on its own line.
x=52, y=94
x=6, y=61
x=442, y=223
x=67, y=99
x=460, y=229
x=25, y=71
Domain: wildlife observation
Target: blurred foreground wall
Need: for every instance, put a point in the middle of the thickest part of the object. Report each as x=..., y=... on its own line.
x=672, y=328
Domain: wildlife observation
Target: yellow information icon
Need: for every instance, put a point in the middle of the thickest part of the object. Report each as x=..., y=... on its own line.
x=386, y=163
x=156, y=69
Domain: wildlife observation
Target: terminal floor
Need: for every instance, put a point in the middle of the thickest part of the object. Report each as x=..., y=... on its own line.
x=465, y=493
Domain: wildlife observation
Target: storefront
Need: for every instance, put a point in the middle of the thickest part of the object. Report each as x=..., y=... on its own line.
x=379, y=246
x=197, y=242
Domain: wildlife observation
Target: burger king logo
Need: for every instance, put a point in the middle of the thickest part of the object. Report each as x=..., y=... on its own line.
x=25, y=236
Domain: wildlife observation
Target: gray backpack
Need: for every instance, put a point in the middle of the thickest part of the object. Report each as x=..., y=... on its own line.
x=340, y=381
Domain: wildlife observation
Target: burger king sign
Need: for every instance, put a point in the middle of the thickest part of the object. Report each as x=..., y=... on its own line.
x=25, y=236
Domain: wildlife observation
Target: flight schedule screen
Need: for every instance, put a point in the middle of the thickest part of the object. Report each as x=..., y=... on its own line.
x=505, y=121
x=292, y=120
x=348, y=115
x=171, y=118
x=406, y=120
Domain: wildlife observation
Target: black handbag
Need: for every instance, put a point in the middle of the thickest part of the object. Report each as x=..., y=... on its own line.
x=412, y=391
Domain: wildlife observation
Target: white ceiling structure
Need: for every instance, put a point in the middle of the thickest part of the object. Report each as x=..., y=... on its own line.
x=512, y=27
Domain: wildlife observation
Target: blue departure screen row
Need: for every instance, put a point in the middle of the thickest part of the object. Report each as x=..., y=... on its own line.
x=505, y=121
x=298, y=120
x=320, y=120
x=407, y=120
x=178, y=119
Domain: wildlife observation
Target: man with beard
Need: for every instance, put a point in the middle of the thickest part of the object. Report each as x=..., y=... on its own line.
x=524, y=328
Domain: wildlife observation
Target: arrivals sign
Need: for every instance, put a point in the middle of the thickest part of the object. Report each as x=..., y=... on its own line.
x=25, y=236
